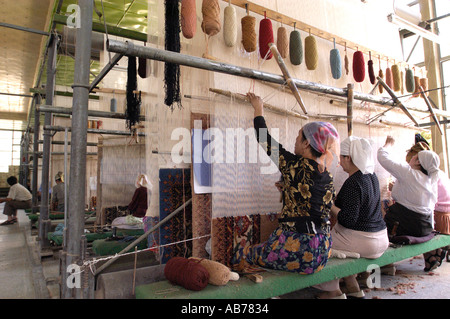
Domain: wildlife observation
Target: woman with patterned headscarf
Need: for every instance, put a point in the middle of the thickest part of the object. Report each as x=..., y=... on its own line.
x=302, y=241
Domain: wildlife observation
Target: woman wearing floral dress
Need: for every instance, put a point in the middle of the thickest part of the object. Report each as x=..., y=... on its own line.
x=302, y=241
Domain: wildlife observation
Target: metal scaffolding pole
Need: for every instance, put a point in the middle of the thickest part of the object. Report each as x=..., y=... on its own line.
x=92, y=130
x=34, y=186
x=44, y=222
x=77, y=175
x=66, y=110
x=130, y=49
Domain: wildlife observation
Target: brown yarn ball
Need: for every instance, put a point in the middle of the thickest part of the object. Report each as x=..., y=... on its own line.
x=424, y=83
x=416, y=86
x=283, y=42
x=188, y=18
x=211, y=17
x=389, y=81
x=381, y=75
x=186, y=273
x=396, y=77
x=248, y=24
x=311, y=55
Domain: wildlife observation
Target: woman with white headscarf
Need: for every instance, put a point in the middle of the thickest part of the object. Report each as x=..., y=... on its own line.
x=360, y=229
x=414, y=192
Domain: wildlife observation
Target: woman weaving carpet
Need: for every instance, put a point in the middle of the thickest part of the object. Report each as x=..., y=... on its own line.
x=302, y=241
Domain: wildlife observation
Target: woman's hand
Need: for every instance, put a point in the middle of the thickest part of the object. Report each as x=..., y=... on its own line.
x=256, y=103
x=389, y=141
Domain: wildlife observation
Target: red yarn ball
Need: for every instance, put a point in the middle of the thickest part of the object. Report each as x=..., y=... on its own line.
x=359, y=69
x=265, y=37
x=187, y=273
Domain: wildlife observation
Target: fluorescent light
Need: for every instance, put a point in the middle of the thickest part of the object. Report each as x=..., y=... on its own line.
x=413, y=28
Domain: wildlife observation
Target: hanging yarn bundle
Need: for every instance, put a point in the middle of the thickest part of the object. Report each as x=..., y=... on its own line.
x=402, y=81
x=416, y=86
x=172, y=43
x=142, y=69
x=370, y=69
x=229, y=26
x=295, y=47
x=424, y=84
x=133, y=109
x=265, y=37
x=381, y=75
x=396, y=77
x=248, y=24
x=335, y=62
x=346, y=63
x=311, y=55
x=389, y=79
x=409, y=81
x=358, y=66
x=188, y=18
x=187, y=273
x=282, y=42
x=211, y=17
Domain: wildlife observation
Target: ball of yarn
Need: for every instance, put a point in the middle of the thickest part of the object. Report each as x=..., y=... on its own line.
x=396, y=77
x=295, y=48
x=381, y=75
x=416, y=86
x=346, y=63
x=371, y=71
x=402, y=82
x=219, y=274
x=188, y=18
x=424, y=84
x=335, y=64
x=142, y=68
x=282, y=42
x=211, y=17
x=389, y=80
x=265, y=37
x=229, y=26
x=311, y=55
x=409, y=81
x=358, y=66
x=248, y=24
x=113, y=105
x=186, y=273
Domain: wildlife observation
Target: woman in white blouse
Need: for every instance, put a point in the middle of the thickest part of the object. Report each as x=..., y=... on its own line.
x=414, y=192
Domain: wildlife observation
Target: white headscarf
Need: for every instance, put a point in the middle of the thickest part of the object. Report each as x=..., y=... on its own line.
x=142, y=180
x=430, y=162
x=360, y=150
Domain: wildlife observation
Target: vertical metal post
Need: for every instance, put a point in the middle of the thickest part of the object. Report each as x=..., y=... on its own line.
x=49, y=93
x=65, y=175
x=77, y=187
x=34, y=185
x=350, y=109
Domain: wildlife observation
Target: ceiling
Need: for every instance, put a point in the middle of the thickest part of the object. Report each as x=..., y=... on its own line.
x=22, y=52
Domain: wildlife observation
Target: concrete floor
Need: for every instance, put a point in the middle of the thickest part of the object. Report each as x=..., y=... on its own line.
x=25, y=274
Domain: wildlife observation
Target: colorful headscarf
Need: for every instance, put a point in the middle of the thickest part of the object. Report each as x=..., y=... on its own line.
x=323, y=137
x=360, y=150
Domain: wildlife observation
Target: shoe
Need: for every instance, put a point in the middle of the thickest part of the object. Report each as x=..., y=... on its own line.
x=7, y=222
x=343, y=296
x=434, y=264
x=356, y=295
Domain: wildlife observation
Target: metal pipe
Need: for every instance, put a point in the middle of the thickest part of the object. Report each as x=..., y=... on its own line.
x=16, y=94
x=66, y=134
x=80, y=104
x=34, y=187
x=105, y=70
x=50, y=87
x=142, y=237
x=17, y=27
x=63, y=142
x=215, y=66
x=93, y=113
x=90, y=130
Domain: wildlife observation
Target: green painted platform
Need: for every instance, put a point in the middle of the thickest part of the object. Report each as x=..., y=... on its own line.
x=58, y=239
x=276, y=283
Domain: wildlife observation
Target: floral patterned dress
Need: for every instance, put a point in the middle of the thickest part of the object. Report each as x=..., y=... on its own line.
x=302, y=241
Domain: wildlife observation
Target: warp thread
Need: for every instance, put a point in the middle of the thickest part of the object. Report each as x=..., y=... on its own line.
x=311, y=55
x=134, y=101
x=265, y=37
x=229, y=26
x=409, y=81
x=248, y=24
x=211, y=17
x=358, y=66
x=295, y=47
x=188, y=18
x=187, y=273
x=396, y=77
x=172, y=43
x=335, y=63
x=282, y=42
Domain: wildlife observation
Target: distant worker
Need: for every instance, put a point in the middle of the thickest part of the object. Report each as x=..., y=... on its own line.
x=58, y=193
x=18, y=198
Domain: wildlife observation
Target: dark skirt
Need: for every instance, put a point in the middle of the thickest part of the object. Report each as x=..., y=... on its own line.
x=410, y=223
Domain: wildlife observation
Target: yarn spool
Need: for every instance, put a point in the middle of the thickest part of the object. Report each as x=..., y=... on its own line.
x=335, y=63
x=188, y=18
x=248, y=24
x=295, y=47
x=358, y=66
x=389, y=79
x=142, y=68
x=396, y=77
x=229, y=26
x=311, y=55
x=402, y=82
x=416, y=86
x=282, y=42
x=219, y=274
x=113, y=106
x=211, y=17
x=265, y=37
x=186, y=273
x=370, y=69
x=381, y=75
x=409, y=81
x=424, y=84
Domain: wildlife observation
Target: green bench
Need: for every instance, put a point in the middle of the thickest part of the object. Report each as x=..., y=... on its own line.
x=276, y=283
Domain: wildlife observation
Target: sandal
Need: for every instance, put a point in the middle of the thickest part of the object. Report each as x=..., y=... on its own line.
x=7, y=222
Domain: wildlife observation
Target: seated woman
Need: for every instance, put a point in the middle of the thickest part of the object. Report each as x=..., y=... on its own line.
x=414, y=192
x=302, y=241
x=139, y=204
x=360, y=227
